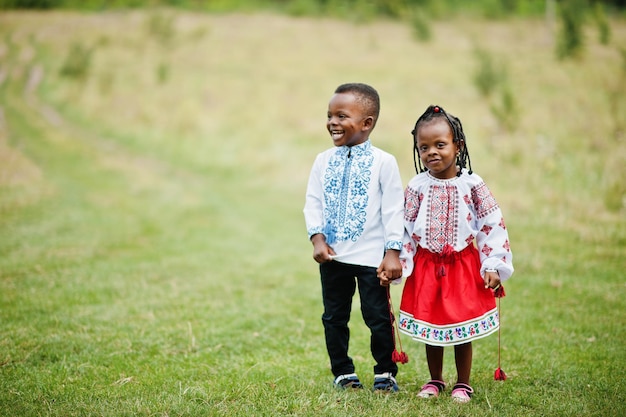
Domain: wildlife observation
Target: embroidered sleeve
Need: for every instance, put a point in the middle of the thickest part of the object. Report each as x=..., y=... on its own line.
x=411, y=204
x=484, y=202
x=492, y=237
x=392, y=203
x=313, y=209
x=412, y=200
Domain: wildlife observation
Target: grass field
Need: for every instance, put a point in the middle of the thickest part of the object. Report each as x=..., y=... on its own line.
x=153, y=254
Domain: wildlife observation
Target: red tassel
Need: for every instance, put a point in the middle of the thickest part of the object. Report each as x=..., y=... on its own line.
x=499, y=292
x=396, y=356
x=499, y=374
x=399, y=357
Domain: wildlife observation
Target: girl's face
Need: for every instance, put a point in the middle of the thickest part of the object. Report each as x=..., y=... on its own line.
x=436, y=147
x=346, y=121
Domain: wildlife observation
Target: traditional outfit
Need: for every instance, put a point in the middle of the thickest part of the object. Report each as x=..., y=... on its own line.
x=453, y=232
x=355, y=199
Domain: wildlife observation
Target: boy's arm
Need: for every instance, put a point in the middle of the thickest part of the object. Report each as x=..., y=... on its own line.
x=392, y=212
x=313, y=207
x=321, y=251
x=392, y=203
x=314, y=217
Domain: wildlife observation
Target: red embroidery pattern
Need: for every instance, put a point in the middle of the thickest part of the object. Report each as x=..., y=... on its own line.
x=442, y=217
x=501, y=224
x=486, y=250
x=484, y=202
x=408, y=247
x=486, y=229
x=507, y=246
x=412, y=202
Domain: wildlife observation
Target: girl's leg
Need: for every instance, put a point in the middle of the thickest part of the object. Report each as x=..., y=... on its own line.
x=434, y=387
x=434, y=357
x=463, y=359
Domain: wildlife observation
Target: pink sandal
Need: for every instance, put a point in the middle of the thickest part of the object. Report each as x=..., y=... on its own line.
x=462, y=393
x=432, y=389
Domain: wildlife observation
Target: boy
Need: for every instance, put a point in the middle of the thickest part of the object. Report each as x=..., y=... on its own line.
x=354, y=215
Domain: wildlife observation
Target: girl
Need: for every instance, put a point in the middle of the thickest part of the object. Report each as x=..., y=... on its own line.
x=457, y=252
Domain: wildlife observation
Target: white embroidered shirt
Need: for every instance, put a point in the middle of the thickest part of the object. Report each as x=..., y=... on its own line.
x=355, y=198
x=455, y=212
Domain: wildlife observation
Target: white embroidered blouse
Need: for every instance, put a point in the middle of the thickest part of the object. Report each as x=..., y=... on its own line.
x=456, y=212
x=355, y=198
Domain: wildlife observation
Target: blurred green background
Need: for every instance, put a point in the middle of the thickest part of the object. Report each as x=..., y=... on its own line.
x=153, y=163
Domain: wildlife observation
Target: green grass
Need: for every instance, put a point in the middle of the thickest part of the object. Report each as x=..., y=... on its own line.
x=153, y=254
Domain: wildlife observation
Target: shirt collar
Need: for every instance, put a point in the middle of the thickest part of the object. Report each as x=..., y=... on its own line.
x=359, y=149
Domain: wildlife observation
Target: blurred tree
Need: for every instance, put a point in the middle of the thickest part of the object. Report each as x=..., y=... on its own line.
x=570, y=40
x=602, y=23
x=77, y=62
x=400, y=9
x=28, y=4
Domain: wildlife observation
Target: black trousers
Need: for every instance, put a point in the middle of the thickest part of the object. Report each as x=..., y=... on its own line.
x=339, y=282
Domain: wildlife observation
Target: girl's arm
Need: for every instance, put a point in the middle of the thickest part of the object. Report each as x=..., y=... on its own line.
x=412, y=203
x=492, y=237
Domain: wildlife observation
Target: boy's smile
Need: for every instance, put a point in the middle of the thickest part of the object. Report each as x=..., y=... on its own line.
x=347, y=122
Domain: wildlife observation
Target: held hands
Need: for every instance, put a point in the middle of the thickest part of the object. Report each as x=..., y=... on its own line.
x=322, y=253
x=492, y=279
x=390, y=268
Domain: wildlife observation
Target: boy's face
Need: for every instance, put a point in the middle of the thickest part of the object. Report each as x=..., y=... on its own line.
x=347, y=122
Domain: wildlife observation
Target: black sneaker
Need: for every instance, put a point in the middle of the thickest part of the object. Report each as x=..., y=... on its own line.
x=385, y=382
x=347, y=381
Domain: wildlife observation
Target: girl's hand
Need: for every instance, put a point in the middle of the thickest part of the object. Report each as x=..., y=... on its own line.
x=492, y=279
x=384, y=280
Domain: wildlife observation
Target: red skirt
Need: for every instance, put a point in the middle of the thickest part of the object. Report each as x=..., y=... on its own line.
x=444, y=300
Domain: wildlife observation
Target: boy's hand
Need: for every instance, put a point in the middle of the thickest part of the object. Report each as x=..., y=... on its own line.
x=390, y=268
x=321, y=251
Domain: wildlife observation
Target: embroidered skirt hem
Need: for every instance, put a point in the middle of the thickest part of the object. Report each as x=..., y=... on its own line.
x=449, y=335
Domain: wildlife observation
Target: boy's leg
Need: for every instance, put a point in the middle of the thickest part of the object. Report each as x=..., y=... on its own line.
x=375, y=310
x=338, y=286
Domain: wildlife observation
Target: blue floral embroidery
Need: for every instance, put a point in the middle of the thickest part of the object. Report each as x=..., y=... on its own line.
x=346, y=185
x=393, y=244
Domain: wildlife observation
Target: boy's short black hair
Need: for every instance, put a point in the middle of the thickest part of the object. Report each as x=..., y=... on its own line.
x=366, y=95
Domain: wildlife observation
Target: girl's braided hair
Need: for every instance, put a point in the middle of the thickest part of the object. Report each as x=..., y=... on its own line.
x=437, y=112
